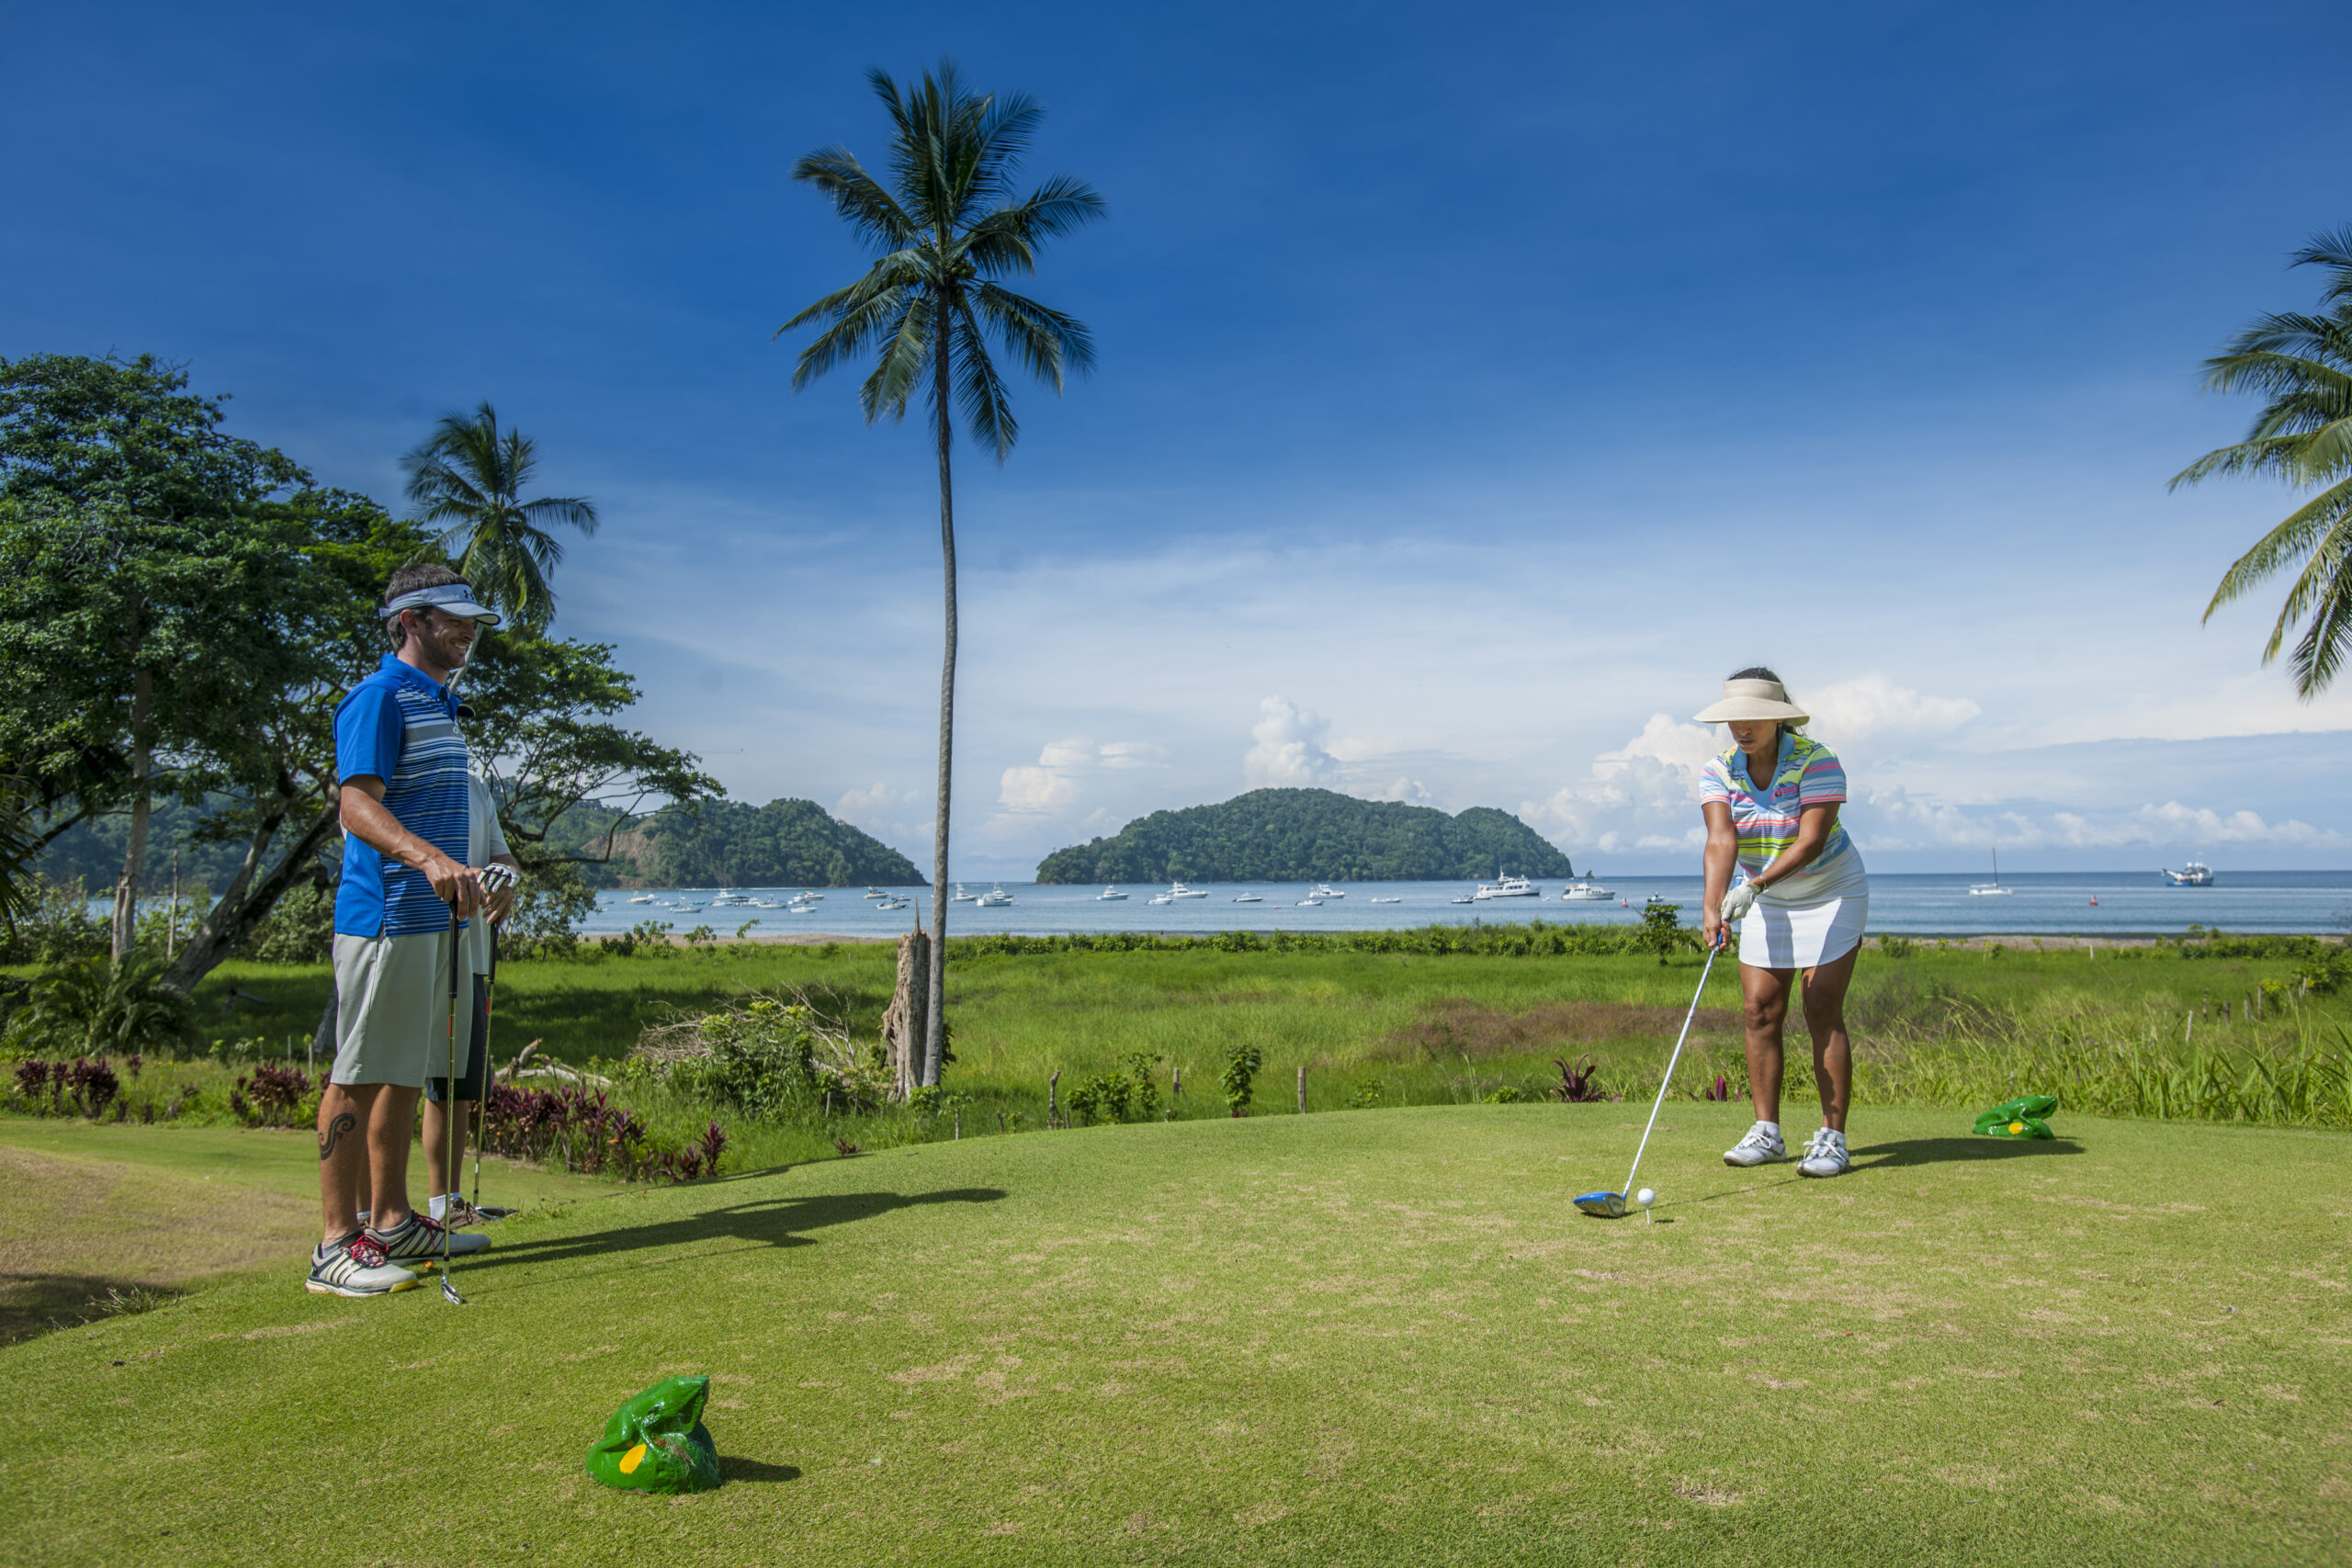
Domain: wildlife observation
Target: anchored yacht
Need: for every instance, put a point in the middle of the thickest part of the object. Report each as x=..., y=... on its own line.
x=1110, y=896
x=1506, y=886
x=1585, y=890
x=995, y=898
x=2196, y=874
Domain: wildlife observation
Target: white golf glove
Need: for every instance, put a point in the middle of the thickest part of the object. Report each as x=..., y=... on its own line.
x=1738, y=902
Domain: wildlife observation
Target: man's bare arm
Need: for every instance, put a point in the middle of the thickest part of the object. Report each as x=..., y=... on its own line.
x=365, y=818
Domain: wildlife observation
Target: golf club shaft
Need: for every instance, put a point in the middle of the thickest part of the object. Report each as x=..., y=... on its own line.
x=1670, y=1062
x=449, y=1105
x=481, y=1101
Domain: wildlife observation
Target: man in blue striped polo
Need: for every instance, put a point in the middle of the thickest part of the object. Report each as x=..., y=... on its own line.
x=402, y=764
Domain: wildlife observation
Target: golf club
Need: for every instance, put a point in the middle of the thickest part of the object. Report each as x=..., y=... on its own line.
x=494, y=877
x=1611, y=1205
x=449, y=1151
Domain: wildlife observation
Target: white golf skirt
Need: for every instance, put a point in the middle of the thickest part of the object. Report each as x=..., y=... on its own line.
x=1813, y=917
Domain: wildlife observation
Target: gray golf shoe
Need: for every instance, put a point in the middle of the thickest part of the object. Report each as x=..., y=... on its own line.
x=416, y=1241
x=1825, y=1155
x=1762, y=1146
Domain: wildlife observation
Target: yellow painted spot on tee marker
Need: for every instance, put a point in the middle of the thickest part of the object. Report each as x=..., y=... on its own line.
x=631, y=1459
x=2016, y=1127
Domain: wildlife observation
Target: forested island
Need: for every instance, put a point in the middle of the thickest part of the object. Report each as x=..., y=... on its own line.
x=1309, y=835
x=726, y=843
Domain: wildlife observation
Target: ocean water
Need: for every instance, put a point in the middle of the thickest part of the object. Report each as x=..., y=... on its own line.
x=2046, y=904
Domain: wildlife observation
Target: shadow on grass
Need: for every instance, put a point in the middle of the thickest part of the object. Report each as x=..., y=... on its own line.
x=1939, y=1151
x=735, y=1467
x=1900, y=1153
x=775, y=1223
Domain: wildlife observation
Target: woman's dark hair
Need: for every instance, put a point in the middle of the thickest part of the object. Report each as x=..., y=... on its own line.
x=1761, y=672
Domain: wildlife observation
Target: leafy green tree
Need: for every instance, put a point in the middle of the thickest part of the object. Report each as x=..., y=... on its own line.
x=135, y=587
x=946, y=227
x=2301, y=364
x=470, y=476
x=544, y=733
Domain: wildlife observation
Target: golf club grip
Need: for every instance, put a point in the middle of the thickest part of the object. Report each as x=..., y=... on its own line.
x=1670, y=1062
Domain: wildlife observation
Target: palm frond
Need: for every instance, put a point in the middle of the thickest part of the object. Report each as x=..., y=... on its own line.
x=2292, y=540
x=2264, y=454
x=857, y=195
x=2331, y=249
x=979, y=390
x=2324, y=592
x=901, y=366
x=1046, y=342
x=571, y=511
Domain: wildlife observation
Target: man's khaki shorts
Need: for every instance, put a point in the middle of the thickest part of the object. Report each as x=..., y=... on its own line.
x=392, y=1011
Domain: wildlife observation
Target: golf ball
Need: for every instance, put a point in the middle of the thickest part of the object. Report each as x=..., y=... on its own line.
x=1646, y=1197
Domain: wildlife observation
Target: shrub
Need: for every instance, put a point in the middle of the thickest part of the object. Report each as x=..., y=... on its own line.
x=1131, y=1096
x=1895, y=946
x=1509, y=1094
x=773, y=1059
x=300, y=930
x=1242, y=1065
x=1579, y=1085
x=96, y=1005
x=57, y=929
x=81, y=1087
x=579, y=1130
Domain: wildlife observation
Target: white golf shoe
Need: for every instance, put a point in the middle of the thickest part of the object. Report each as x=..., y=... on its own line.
x=1762, y=1146
x=1825, y=1155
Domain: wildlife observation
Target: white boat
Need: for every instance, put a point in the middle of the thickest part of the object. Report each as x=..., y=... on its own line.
x=1324, y=890
x=642, y=899
x=1388, y=900
x=1310, y=903
x=875, y=893
x=995, y=898
x=1992, y=889
x=800, y=909
x=1247, y=899
x=1110, y=896
x=1177, y=890
x=889, y=904
x=2196, y=874
x=1466, y=898
x=1655, y=899
x=1585, y=890
x=1506, y=886
x=962, y=897
x=1158, y=898
x=731, y=900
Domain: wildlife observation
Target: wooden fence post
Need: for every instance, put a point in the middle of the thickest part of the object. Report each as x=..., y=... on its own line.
x=1053, y=1090
x=1302, y=1088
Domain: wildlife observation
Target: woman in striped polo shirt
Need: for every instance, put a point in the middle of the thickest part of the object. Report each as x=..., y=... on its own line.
x=1801, y=901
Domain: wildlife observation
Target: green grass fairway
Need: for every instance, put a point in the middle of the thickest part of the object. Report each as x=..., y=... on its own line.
x=1368, y=1338
x=84, y=1209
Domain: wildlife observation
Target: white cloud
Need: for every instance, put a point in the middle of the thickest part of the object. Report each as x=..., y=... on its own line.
x=1287, y=750
x=1412, y=792
x=1133, y=754
x=1642, y=796
x=1032, y=790
x=1869, y=707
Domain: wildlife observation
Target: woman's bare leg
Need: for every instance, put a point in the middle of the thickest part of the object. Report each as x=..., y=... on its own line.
x=1765, y=994
x=1825, y=1019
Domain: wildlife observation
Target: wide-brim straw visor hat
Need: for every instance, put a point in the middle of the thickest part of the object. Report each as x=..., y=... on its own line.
x=1753, y=699
x=449, y=598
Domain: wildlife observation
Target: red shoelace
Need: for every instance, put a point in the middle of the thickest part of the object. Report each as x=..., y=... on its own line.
x=365, y=1252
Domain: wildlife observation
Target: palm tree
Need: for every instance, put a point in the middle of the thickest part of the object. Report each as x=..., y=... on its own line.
x=468, y=476
x=946, y=227
x=2303, y=364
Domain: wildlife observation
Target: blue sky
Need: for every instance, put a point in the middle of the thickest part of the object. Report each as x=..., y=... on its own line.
x=1477, y=387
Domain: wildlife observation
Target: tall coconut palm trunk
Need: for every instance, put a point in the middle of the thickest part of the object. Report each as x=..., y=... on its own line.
x=125, y=929
x=934, y=1038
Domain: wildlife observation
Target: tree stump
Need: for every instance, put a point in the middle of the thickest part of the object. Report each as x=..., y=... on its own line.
x=904, y=1023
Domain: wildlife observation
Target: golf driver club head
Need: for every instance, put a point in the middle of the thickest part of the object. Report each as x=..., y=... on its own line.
x=1600, y=1205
